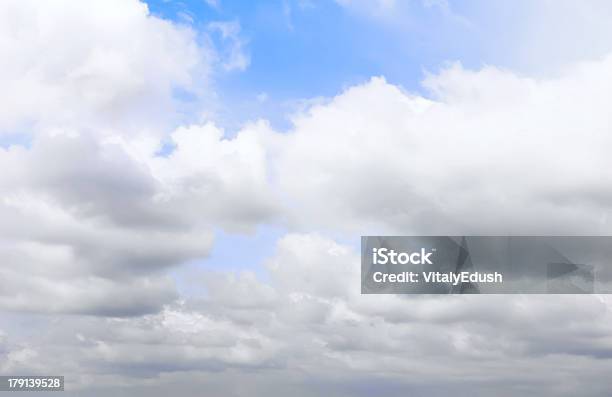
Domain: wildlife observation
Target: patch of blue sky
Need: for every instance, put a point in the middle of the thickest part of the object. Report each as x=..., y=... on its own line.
x=237, y=253
x=9, y=139
x=240, y=251
x=231, y=252
x=300, y=50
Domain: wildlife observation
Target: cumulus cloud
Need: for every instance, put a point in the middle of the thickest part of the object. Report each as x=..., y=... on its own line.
x=485, y=152
x=310, y=322
x=93, y=213
x=95, y=64
x=86, y=220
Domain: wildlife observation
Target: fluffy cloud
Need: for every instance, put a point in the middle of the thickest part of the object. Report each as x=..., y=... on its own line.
x=92, y=214
x=86, y=220
x=487, y=152
x=95, y=64
x=310, y=322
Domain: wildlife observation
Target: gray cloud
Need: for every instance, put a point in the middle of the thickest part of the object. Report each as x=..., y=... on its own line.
x=332, y=340
x=87, y=220
x=91, y=216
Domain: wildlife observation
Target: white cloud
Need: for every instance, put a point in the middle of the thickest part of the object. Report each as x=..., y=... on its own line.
x=554, y=34
x=212, y=3
x=91, y=216
x=489, y=152
x=95, y=65
x=484, y=154
x=88, y=225
x=233, y=54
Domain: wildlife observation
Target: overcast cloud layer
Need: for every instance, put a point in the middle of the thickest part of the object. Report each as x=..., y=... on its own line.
x=106, y=189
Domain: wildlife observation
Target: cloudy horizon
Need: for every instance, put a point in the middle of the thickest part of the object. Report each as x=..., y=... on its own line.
x=184, y=186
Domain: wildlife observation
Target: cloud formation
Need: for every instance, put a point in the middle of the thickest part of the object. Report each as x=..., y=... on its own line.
x=108, y=196
x=91, y=220
x=91, y=208
x=487, y=152
x=310, y=329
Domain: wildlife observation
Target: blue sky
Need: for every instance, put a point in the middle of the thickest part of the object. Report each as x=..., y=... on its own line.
x=302, y=50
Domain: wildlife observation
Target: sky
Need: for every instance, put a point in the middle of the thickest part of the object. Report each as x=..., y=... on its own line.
x=184, y=185
x=302, y=50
